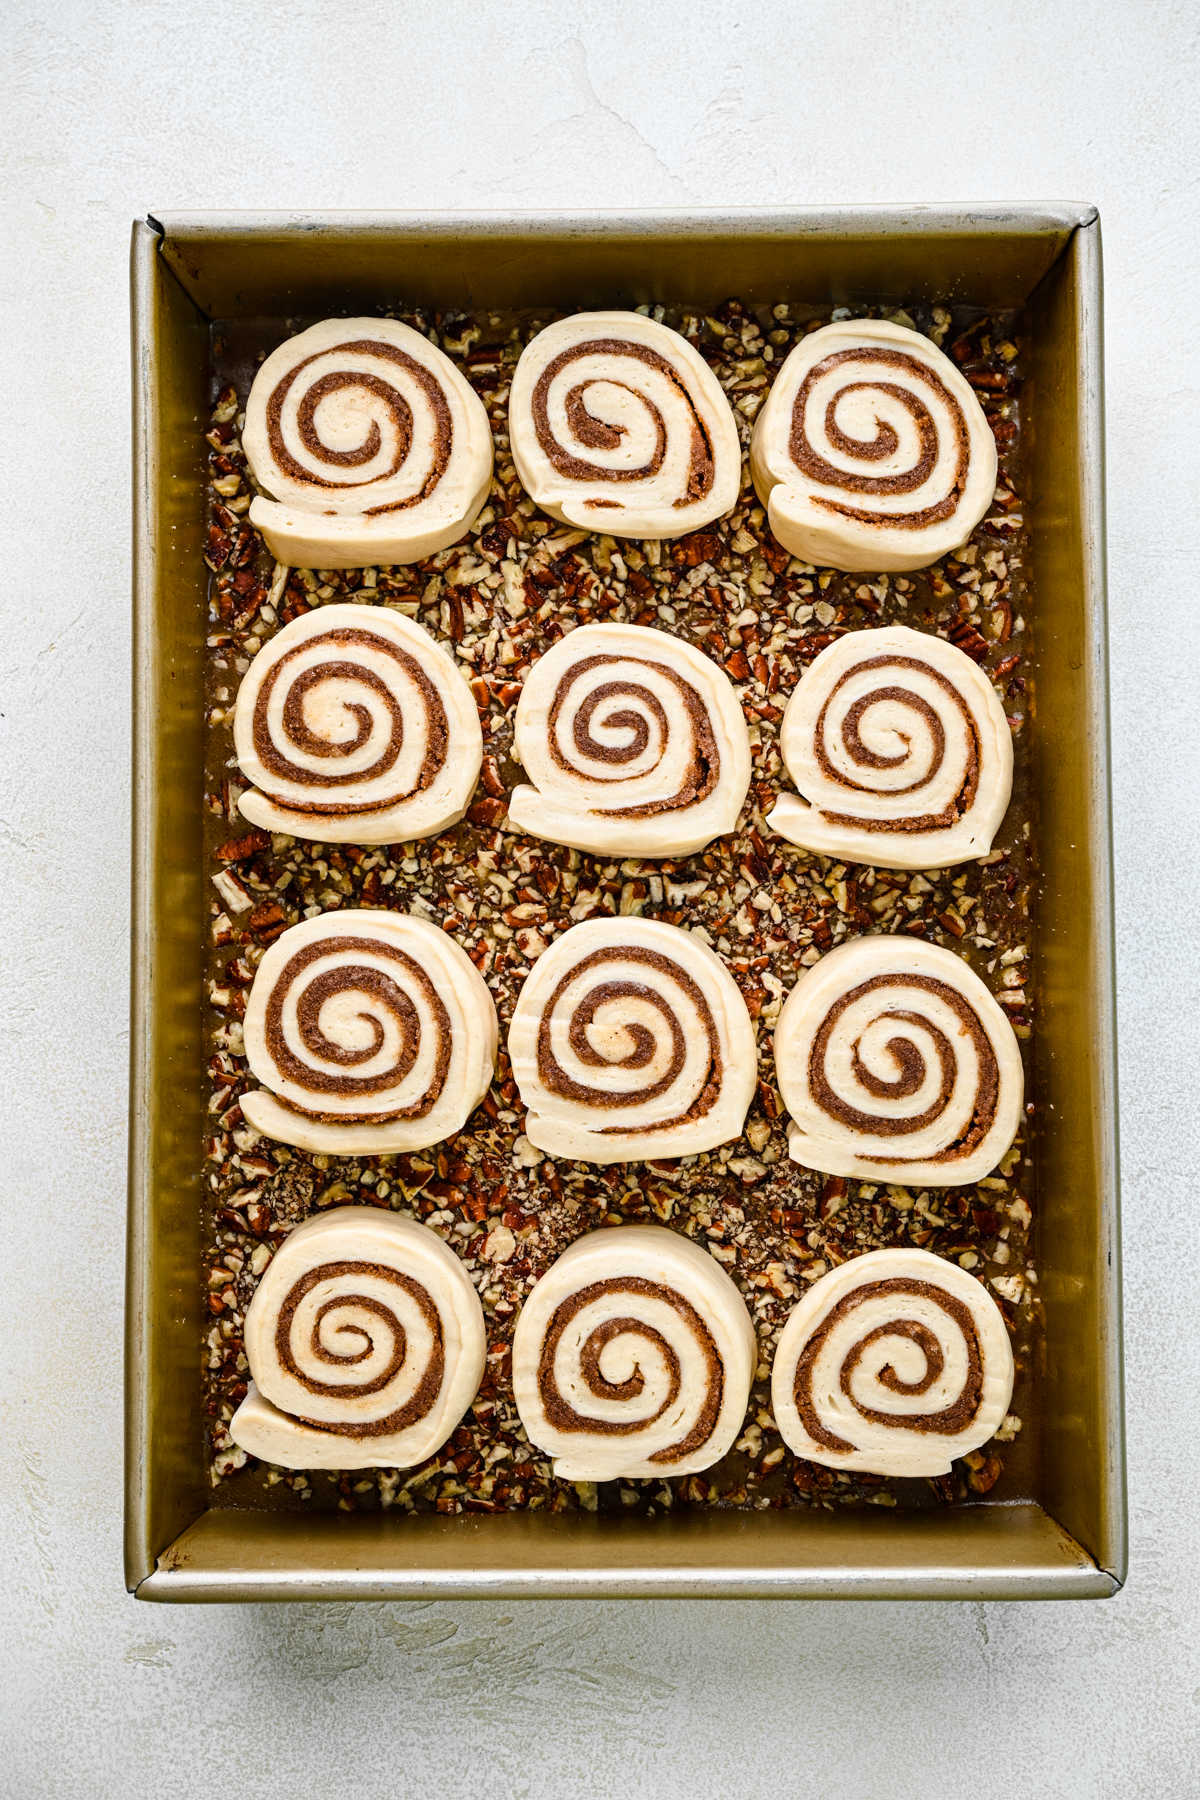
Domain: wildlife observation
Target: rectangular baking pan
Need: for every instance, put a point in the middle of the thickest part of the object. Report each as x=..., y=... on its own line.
x=187, y=269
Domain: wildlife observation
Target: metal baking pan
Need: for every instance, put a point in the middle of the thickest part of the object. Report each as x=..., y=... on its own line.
x=1067, y=1541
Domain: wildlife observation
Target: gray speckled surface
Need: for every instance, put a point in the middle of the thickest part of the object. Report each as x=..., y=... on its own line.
x=109, y=111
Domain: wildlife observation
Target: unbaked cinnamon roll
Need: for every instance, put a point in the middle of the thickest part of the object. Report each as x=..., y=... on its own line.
x=896, y=1064
x=370, y=1032
x=635, y=744
x=633, y=1356
x=893, y=1364
x=631, y=1041
x=372, y=446
x=366, y=1345
x=872, y=451
x=356, y=727
x=900, y=750
x=618, y=425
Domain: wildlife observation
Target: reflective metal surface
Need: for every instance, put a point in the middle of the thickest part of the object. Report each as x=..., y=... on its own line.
x=187, y=268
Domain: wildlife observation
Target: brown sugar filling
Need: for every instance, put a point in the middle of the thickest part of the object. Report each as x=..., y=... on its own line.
x=867, y=758
x=275, y=760
x=563, y=1416
x=950, y=1419
x=392, y=398
x=424, y=1394
x=358, y=978
x=595, y=434
x=912, y=1071
x=555, y=1078
x=704, y=766
x=906, y=481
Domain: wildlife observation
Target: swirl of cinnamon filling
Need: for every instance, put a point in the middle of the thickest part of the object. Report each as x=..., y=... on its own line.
x=355, y=726
x=893, y=1364
x=634, y=742
x=872, y=451
x=630, y=1040
x=900, y=750
x=372, y=1031
x=618, y=425
x=896, y=1064
x=633, y=1356
x=365, y=1340
x=371, y=444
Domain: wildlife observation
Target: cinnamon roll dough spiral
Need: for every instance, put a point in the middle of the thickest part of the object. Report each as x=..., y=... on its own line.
x=373, y=1032
x=373, y=446
x=893, y=1364
x=366, y=1345
x=901, y=752
x=618, y=425
x=633, y=1356
x=872, y=452
x=896, y=1064
x=631, y=1041
x=356, y=727
x=635, y=744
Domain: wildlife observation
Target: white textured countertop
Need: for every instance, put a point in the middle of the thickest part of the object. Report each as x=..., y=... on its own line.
x=110, y=111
